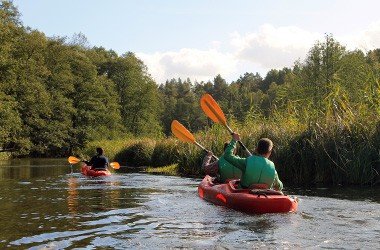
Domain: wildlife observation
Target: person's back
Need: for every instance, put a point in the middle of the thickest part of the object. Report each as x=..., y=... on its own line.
x=99, y=161
x=256, y=169
x=221, y=168
x=227, y=170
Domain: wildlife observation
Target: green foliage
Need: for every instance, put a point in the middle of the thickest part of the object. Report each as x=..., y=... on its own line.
x=165, y=153
x=67, y=93
x=5, y=156
x=138, y=153
x=111, y=147
x=58, y=97
x=11, y=134
x=138, y=95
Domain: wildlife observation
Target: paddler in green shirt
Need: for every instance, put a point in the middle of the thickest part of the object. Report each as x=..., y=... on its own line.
x=256, y=169
x=220, y=168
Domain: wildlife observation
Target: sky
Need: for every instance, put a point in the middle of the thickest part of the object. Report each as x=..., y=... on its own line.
x=199, y=39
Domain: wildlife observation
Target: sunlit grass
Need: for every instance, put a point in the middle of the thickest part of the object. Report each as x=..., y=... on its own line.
x=304, y=154
x=166, y=170
x=5, y=156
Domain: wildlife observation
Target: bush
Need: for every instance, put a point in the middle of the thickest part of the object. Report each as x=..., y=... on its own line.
x=138, y=153
x=165, y=153
x=111, y=148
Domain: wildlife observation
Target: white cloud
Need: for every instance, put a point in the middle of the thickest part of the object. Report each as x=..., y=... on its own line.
x=201, y=65
x=367, y=39
x=270, y=47
x=273, y=47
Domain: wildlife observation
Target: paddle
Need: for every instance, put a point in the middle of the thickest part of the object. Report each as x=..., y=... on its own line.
x=215, y=113
x=74, y=160
x=185, y=135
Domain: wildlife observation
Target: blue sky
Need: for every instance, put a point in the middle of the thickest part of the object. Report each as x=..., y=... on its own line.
x=200, y=39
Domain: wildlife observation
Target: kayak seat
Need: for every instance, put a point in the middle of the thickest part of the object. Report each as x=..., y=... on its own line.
x=265, y=192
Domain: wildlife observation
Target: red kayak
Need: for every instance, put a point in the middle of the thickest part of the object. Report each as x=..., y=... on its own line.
x=252, y=201
x=86, y=170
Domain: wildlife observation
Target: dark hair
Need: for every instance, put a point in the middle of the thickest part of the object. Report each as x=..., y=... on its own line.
x=264, y=146
x=99, y=151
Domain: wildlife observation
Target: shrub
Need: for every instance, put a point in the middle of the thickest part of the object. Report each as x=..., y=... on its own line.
x=138, y=153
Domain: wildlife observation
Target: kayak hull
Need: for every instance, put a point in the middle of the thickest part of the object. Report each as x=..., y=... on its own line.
x=87, y=171
x=246, y=200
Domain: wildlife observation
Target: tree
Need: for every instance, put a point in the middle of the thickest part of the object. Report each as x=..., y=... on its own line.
x=11, y=134
x=274, y=76
x=139, y=99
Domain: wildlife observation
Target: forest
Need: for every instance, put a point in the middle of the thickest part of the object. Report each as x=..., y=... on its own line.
x=59, y=96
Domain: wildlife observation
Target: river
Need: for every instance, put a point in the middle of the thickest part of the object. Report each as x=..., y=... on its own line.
x=44, y=205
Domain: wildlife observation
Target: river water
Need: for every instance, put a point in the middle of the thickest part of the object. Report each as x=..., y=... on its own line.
x=45, y=206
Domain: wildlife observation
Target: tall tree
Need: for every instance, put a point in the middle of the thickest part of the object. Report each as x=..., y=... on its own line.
x=139, y=99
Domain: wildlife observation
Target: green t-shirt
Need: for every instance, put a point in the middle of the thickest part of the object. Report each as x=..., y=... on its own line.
x=255, y=169
x=227, y=170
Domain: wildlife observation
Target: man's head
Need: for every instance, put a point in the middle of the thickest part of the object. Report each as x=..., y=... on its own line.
x=264, y=147
x=99, y=151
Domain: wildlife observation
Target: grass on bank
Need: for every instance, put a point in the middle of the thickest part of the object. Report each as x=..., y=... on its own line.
x=304, y=154
x=166, y=170
x=5, y=156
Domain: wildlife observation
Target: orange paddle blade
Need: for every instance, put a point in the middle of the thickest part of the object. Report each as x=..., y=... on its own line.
x=181, y=132
x=212, y=109
x=73, y=160
x=115, y=165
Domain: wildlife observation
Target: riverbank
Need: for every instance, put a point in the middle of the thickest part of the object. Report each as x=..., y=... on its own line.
x=303, y=154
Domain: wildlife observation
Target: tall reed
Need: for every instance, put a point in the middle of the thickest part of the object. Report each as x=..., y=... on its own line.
x=304, y=154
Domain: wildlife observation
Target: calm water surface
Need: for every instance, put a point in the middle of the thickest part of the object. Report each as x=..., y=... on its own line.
x=44, y=205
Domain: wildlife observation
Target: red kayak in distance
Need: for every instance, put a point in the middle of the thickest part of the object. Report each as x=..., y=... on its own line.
x=252, y=201
x=86, y=170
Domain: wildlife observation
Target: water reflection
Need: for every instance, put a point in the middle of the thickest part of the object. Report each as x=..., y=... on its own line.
x=47, y=207
x=72, y=198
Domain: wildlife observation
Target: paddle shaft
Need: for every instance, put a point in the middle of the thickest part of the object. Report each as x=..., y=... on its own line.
x=241, y=144
x=203, y=148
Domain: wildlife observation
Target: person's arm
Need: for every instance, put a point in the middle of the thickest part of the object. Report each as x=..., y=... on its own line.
x=210, y=168
x=90, y=162
x=207, y=159
x=277, y=184
x=235, y=160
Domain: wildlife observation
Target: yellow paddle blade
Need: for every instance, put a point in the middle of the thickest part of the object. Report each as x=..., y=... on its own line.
x=115, y=165
x=212, y=109
x=73, y=160
x=181, y=132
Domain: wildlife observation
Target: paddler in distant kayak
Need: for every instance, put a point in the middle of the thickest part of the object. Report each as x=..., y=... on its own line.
x=98, y=161
x=256, y=169
x=221, y=168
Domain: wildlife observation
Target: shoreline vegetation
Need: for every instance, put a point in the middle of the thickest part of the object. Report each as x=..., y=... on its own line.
x=60, y=96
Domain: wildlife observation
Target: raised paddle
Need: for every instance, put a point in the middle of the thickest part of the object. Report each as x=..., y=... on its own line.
x=211, y=108
x=185, y=135
x=75, y=160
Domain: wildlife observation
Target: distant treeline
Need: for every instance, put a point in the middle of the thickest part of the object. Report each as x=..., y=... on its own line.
x=56, y=95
